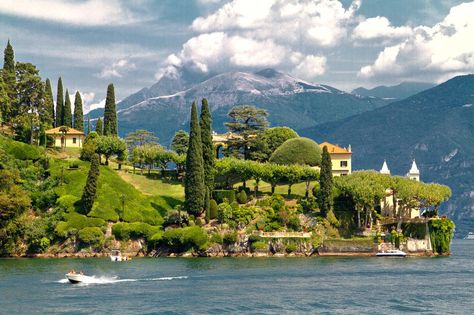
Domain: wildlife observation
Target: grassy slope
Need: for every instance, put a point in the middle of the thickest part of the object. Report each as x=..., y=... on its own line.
x=111, y=188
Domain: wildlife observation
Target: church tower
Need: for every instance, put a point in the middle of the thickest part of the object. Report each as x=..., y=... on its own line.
x=414, y=172
x=385, y=169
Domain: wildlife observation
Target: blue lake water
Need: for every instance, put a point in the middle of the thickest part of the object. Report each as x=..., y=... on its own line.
x=322, y=285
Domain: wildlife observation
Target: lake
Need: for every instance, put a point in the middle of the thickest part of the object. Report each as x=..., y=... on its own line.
x=322, y=285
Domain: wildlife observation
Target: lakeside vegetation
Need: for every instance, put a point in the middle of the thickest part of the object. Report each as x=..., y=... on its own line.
x=134, y=193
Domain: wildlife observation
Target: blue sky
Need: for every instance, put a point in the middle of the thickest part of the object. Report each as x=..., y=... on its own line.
x=342, y=43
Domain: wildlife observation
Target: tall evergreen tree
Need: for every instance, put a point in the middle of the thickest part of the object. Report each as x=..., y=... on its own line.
x=90, y=190
x=110, y=114
x=99, y=127
x=89, y=124
x=194, y=188
x=49, y=103
x=60, y=104
x=78, y=114
x=207, y=147
x=67, y=112
x=326, y=183
x=9, y=79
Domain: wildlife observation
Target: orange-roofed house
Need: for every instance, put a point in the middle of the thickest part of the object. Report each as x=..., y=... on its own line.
x=341, y=159
x=66, y=137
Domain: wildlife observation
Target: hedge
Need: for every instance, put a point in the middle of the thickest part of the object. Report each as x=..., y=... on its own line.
x=220, y=195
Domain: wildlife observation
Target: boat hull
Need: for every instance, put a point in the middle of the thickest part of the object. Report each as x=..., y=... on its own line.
x=391, y=253
x=77, y=278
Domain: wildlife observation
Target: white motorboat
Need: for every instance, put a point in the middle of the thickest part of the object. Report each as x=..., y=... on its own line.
x=391, y=253
x=79, y=278
x=469, y=236
x=115, y=255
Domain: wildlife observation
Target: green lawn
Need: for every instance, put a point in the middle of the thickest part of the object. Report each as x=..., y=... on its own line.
x=111, y=191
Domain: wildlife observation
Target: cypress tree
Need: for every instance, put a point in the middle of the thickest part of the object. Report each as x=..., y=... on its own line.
x=110, y=114
x=78, y=114
x=99, y=127
x=9, y=80
x=88, y=124
x=208, y=154
x=325, y=183
x=67, y=113
x=89, y=192
x=49, y=103
x=194, y=188
x=59, y=104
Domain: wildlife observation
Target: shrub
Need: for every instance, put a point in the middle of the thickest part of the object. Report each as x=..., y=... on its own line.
x=213, y=209
x=125, y=231
x=183, y=239
x=67, y=202
x=332, y=219
x=259, y=246
x=74, y=222
x=91, y=236
x=242, y=197
x=294, y=223
x=73, y=165
x=230, y=238
x=246, y=189
x=217, y=238
x=290, y=248
x=224, y=212
x=173, y=218
x=221, y=195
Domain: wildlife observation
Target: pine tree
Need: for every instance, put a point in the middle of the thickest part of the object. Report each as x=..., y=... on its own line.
x=89, y=192
x=60, y=104
x=194, y=188
x=49, y=103
x=67, y=113
x=9, y=79
x=110, y=114
x=99, y=127
x=325, y=200
x=208, y=154
x=78, y=114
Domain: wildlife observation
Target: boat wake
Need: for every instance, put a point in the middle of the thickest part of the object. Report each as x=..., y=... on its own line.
x=115, y=279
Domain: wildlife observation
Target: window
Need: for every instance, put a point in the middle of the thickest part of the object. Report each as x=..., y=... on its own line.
x=343, y=174
x=343, y=163
x=73, y=140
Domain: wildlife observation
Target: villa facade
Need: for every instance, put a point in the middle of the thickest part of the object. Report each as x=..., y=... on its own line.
x=66, y=137
x=341, y=159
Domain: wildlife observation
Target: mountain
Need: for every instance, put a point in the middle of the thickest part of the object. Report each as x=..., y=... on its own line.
x=435, y=127
x=395, y=92
x=288, y=100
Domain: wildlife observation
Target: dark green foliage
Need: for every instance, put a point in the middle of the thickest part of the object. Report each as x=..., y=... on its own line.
x=90, y=190
x=91, y=236
x=246, y=121
x=90, y=146
x=259, y=246
x=49, y=103
x=109, y=146
x=110, y=114
x=60, y=104
x=67, y=113
x=222, y=195
x=183, y=239
x=177, y=217
x=441, y=232
x=208, y=153
x=78, y=114
x=207, y=208
x=99, y=127
x=269, y=141
x=194, y=189
x=126, y=231
x=9, y=58
x=302, y=151
x=180, y=142
x=242, y=197
x=9, y=84
x=229, y=238
x=325, y=199
x=213, y=209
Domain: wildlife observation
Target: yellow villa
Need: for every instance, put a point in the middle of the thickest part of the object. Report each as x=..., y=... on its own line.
x=341, y=159
x=66, y=137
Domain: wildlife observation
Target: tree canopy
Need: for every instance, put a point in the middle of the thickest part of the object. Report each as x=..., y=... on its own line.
x=78, y=113
x=269, y=141
x=180, y=142
x=110, y=114
x=302, y=151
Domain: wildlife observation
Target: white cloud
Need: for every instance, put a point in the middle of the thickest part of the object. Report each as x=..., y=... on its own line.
x=311, y=66
x=83, y=13
x=117, y=69
x=100, y=104
x=434, y=52
x=290, y=35
x=379, y=27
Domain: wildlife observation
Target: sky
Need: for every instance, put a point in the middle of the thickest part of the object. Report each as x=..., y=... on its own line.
x=342, y=43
